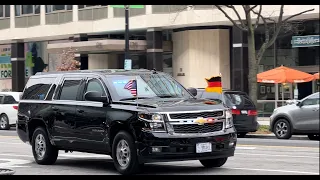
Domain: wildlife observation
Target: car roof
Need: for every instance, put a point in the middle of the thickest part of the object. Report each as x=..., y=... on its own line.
x=103, y=72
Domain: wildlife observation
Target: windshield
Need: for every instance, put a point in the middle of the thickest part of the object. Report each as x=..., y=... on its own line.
x=125, y=87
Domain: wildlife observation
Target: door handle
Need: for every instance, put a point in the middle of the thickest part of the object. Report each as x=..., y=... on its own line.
x=316, y=109
x=55, y=108
x=80, y=110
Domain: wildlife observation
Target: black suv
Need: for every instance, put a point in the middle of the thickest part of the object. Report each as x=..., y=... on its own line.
x=136, y=117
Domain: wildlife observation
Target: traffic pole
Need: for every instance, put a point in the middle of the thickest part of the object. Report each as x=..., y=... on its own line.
x=126, y=54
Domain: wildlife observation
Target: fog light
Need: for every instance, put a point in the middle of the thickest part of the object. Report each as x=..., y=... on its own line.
x=156, y=149
x=231, y=144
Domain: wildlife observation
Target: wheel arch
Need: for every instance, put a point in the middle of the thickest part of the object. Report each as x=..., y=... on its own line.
x=32, y=126
x=117, y=126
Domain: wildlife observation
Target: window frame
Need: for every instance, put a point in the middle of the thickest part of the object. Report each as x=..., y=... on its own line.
x=57, y=11
x=61, y=85
x=31, y=14
x=86, y=87
x=4, y=12
x=92, y=7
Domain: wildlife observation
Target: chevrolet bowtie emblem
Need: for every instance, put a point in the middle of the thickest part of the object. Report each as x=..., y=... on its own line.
x=202, y=121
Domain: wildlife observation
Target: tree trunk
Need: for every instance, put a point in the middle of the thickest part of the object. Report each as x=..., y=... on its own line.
x=253, y=66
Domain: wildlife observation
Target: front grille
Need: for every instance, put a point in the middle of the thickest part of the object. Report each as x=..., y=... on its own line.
x=196, y=115
x=195, y=128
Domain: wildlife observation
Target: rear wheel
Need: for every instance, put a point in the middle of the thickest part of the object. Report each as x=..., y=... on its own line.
x=241, y=135
x=43, y=151
x=4, y=122
x=314, y=137
x=124, y=154
x=282, y=129
x=210, y=163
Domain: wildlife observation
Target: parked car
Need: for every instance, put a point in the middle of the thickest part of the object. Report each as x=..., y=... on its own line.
x=8, y=109
x=136, y=117
x=301, y=118
x=244, y=111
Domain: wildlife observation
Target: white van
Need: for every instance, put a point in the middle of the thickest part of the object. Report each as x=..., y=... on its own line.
x=8, y=109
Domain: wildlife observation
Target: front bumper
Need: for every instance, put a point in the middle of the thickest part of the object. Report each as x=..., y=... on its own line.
x=159, y=149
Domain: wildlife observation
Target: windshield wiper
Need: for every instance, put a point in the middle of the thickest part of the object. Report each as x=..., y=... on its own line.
x=133, y=98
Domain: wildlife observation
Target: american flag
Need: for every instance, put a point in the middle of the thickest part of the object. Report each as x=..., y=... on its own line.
x=132, y=87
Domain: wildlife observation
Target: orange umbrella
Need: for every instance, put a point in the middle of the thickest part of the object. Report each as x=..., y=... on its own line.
x=316, y=76
x=284, y=74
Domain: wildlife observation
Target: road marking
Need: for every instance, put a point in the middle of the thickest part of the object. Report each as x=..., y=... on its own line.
x=62, y=155
x=264, y=146
x=274, y=170
x=15, y=137
x=14, y=163
x=278, y=155
x=16, y=155
x=10, y=143
x=242, y=147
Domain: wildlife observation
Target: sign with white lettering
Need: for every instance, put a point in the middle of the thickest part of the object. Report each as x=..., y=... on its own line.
x=305, y=41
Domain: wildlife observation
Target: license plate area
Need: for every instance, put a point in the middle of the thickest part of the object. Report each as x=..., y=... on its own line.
x=203, y=147
x=244, y=112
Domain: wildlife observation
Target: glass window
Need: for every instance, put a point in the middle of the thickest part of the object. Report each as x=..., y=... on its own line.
x=37, y=88
x=27, y=9
x=148, y=86
x=1, y=96
x=69, y=90
x=1, y=10
x=37, y=9
x=58, y=7
x=9, y=100
x=69, y=7
x=17, y=9
x=7, y=11
x=95, y=85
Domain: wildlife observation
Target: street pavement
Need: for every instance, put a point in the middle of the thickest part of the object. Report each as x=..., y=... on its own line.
x=252, y=157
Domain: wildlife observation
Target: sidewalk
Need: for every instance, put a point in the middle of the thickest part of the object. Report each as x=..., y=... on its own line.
x=272, y=136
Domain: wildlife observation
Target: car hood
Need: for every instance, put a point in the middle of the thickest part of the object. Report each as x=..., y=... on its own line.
x=286, y=108
x=174, y=105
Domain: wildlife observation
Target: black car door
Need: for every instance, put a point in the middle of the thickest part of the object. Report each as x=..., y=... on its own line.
x=91, y=117
x=64, y=108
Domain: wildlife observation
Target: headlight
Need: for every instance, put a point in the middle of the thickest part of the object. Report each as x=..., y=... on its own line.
x=153, y=122
x=229, y=119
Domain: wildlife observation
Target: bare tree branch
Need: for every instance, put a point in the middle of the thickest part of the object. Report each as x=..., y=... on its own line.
x=180, y=10
x=258, y=18
x=290, y=17
x=237, y=13
x=230, y=19
x=254, y=7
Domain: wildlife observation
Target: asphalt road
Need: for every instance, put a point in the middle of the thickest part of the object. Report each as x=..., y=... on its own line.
x=252, y=157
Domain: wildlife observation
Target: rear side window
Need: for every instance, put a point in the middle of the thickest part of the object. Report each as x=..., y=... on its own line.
x=69, y=90
x=9, y=100
x=1, y=96
x=37, y=88
x=238, y=99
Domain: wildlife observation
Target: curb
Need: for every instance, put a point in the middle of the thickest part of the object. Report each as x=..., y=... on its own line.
x=6, y=171
x=272, y=136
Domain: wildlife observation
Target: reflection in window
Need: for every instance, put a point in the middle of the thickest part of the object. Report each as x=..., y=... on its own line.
x=7, y=11
x=52, y=8
x=1, y=11
x=26, y=9
x=17, y=9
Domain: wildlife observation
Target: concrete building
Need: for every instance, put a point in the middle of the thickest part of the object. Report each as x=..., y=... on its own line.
x=189, y=43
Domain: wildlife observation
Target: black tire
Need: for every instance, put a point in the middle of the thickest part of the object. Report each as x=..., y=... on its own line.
x=241, y=135
x=4, y=122
x=314, y=137
x=133, y=166
x=50, y=154
x=285, y=126
x=211, y=163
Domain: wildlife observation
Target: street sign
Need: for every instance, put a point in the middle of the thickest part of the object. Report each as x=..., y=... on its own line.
x=130, y=6
x=127, y=64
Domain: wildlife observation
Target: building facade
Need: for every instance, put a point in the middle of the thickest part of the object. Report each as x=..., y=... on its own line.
x=190, y=43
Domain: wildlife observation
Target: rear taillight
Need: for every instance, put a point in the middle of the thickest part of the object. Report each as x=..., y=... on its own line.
x=252, y=113
x=235, y=111
x=15, y=107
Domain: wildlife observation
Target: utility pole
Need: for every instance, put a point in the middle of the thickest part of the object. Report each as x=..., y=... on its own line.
x=126, y=55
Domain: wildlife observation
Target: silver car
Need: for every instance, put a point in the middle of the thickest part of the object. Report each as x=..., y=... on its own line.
x=300, y=118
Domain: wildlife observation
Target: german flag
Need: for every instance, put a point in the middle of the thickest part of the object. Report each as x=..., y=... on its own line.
x=214, y=84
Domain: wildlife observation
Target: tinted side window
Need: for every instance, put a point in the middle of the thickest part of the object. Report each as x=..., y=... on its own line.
x=9, y=100
x=69, y=90
x=37, y=88
x=95, y=85
x=309, y=102
x=1, y=99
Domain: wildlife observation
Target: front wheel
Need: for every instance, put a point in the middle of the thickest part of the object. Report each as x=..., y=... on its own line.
x=314, y=137
x=43, y=151
x=210, y=163
x=282, y=129
x=124, y=154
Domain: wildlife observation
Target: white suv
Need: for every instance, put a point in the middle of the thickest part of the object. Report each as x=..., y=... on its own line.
x=8, y=109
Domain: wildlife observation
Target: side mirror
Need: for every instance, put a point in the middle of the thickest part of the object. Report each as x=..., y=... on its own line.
x=193, y=91
x=95, y=96
x=299, y=103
